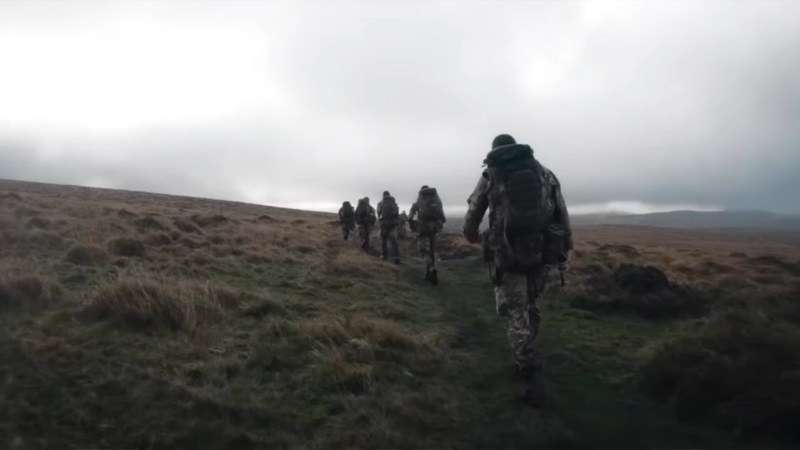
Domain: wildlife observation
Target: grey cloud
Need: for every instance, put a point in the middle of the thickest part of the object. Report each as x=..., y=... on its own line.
x=668, y=103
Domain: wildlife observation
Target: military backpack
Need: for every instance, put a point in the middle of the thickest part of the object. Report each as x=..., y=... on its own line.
x=526, y=197
x=348, y=212
x=389, y=210
x=430, y=205
x=363, y=215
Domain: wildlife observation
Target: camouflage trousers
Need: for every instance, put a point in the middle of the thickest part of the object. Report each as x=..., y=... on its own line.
x=347, y=228
x=401, y=231
x=389, y=239
x=521, y=315
x=426, y=245
x=363, y=233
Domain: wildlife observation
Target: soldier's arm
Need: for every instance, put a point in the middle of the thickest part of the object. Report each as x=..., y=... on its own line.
x=413, y=211
x=561, y=213
x=477, y=203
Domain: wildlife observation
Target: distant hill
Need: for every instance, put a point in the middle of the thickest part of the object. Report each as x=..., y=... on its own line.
x=695, y=219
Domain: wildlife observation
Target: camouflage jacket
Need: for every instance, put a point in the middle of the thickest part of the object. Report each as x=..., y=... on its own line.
x=345, y=219
x=384, y=222
x=424, y=228
x=484, y=197
x=403, y=218
x=372, y=215
x=415, y=210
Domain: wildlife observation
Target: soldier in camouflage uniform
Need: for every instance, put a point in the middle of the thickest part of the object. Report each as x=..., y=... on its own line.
x=389, y=219
x=516, y=291
x=401, y=230
x=365, y=223
x=347, y=219
x=427, y=228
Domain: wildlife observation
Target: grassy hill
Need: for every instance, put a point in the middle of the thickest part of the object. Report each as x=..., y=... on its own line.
x=132, y=320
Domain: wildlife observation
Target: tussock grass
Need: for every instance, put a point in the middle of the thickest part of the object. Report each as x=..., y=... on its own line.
x=148, y=224
x=26, y=242
x=209, y=221
x=739, y=368
x=126, y=246
x=645, y=291
x=158, y=240
x=186, y=226
x=144, y=301
x=450, y=245
x=10, y=197
x=291, y=338
x=27, y=293
x=355, y=265
x=86, y=255
x=38, y=223
x=380, y=332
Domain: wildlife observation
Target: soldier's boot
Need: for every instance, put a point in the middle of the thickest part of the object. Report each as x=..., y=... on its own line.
x=384, y=250
x=534, y=394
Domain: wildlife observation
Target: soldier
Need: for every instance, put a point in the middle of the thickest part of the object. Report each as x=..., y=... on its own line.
x=347, y=218
x=401, y=231
x=430, y=222
x=387, y=213
x=522, y=243
x=365, y=219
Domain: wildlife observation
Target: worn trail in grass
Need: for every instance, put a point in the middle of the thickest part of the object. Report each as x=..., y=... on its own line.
x=589, y=364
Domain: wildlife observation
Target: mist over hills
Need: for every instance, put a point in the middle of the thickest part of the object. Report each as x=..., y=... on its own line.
x=695, y=219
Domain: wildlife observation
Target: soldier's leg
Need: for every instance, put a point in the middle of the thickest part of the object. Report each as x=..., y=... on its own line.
x=384, y=237
x=363, y=234
x=521, y=320
x=394, y=245
x=345, y=231
x=432, y=245
x=422, y=245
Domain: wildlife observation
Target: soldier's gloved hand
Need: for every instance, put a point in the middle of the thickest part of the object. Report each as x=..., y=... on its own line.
x=472, y=234
x=565, y=265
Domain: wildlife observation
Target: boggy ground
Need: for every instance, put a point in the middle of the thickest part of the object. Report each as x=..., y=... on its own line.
x=133, y=320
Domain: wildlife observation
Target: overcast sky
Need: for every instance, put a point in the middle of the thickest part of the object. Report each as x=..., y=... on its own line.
x=640, y=106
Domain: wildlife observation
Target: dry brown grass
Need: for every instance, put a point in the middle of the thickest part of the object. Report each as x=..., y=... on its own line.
x=350, y=265
x=142, y=300
x=736, y=366
x=125, y=246
x=451, y=245
x=158, y=239
x=300, y=339
x=27, y=293
x=740, y=367
x=86, y=255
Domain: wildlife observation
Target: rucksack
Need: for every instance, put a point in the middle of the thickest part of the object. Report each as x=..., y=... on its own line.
x=362, y=212
x=526, y=198
x=389, y=209
x=430, y=205
x=347, y=211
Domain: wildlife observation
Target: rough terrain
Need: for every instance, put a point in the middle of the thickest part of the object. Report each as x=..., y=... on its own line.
x=131, y=320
